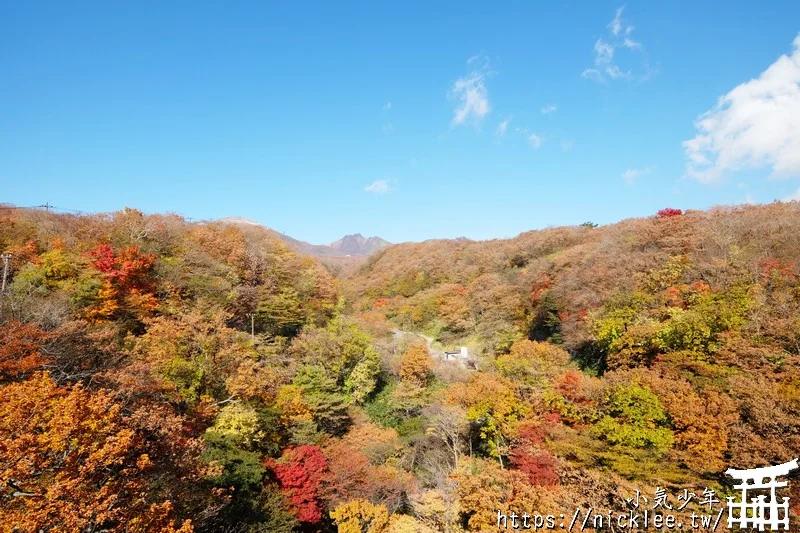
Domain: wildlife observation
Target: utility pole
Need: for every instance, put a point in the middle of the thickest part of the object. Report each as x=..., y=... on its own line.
x=6, y=265
x=46, y=206
x=252, y=325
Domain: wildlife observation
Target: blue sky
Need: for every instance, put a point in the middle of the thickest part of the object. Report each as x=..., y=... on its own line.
x=409, y=121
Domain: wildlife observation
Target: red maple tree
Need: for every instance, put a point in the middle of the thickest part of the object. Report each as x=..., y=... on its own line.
x=299, y=472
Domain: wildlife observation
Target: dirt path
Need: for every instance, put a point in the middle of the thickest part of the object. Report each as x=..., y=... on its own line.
x=399, y=334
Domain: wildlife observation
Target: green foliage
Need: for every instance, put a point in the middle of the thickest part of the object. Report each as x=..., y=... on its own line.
x=410, y=427
x=589, y=452
x=282, y=313
x=361, y=381
x=668, y=275
x=240, y=436
x=547, y=323
x=617, y=314
x=273, y=513
x=381, y=409
x=188, y=377
x=533, y=363
x=240, y=468
x=696, y=329
x=634, y=417
x=345, y=352
x=250, y=428
x=321, y=393
x=686, y=330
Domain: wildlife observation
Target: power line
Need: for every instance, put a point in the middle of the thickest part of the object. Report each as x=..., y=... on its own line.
x=47, y=206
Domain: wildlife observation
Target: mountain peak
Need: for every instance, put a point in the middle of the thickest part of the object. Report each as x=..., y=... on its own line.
x=349, y=245
x=357, y=244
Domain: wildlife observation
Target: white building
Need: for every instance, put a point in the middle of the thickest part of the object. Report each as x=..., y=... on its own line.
x=460, y=355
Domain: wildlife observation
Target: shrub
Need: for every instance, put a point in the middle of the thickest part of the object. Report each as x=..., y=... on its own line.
x=669, y=212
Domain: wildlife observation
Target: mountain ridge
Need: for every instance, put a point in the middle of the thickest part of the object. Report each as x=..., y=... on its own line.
x=352, y=245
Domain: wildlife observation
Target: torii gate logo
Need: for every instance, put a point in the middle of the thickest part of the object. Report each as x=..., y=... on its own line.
x=755, y=510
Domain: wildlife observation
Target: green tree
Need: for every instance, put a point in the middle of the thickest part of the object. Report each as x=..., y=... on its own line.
x=634, y=417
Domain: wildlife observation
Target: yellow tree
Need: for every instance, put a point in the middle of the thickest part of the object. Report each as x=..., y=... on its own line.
x=416, y=365
x=483, y=488
x=492, y=407
x=361, y=516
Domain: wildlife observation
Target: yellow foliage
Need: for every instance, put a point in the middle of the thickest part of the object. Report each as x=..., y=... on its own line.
x=401, y=523
x=483, y=487
x=361, y=516
x=293, y=408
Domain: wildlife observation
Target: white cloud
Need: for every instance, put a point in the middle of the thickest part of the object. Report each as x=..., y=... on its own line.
x=552, y=108
x=503, y=127
x=794, y=197
x=471, y=93
x=606, y=64
x=377, y=187
x=632, y=174
x=535, y=141
x=615, y=26
x=631, y=44
x=756, y=125
x=387, y=106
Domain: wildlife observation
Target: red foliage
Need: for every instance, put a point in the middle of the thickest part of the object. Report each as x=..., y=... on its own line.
x=539, y=287
x=699, y=287
x=299, y=472
x=774, y=269
x=531, y=433
x=538, y=466
x=552, y=418
x=28, y=252
x=127, y=267
x=128, y=284
x=103, y=258
x=669, y=212
x=570, y=388
x=673, y=297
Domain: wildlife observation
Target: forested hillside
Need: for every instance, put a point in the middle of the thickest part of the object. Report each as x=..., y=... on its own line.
x=164, y=376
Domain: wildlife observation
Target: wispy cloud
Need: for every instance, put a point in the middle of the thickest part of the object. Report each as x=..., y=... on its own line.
x=471, y=93
x=755, y=125
x=387, y=127
x=632, y=174
x=615, y=26
x=794, y=197
x=387, y=106
x=566, y=145
x=377, y=187
x=606, y=57
x=552, y=108
x=535, y=141
x=502, y=128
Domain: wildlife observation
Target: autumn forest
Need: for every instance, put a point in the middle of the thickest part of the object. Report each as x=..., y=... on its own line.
x=167, y=376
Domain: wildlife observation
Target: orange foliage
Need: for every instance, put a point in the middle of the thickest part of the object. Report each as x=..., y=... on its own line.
x=19, y=349
x=416, y=365
x=69, y=462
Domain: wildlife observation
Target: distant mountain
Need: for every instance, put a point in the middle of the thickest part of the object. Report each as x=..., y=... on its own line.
x=350, y=245
x=358, y=244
